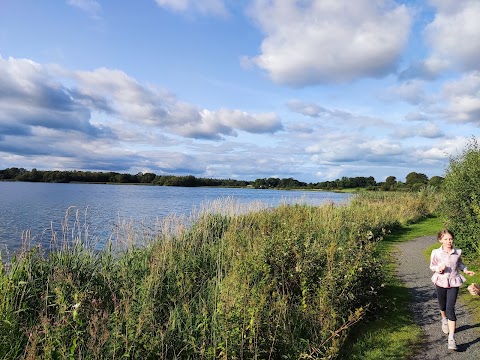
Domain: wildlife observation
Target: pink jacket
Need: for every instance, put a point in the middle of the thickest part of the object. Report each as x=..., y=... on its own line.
x=450, y=276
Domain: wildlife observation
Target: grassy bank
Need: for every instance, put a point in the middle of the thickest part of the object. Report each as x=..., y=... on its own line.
x=289, y=282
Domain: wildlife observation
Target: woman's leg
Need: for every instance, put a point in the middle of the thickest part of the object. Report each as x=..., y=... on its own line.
x=451, y=299
x=442, y=299
x=442, y=304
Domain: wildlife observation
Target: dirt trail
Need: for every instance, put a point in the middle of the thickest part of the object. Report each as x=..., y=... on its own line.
x=414, y=271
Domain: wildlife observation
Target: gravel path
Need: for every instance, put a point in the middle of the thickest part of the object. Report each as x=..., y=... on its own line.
x=414, y=271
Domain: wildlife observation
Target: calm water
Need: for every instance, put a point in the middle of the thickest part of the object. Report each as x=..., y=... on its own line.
x=40, y=207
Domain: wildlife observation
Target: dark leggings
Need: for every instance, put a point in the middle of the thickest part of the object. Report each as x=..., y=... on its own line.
x=446, y=300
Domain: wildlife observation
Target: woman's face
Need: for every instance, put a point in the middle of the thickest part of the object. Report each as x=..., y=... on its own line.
x=447, y=241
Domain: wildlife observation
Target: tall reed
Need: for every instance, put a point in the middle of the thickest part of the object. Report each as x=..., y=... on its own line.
x=227, y=283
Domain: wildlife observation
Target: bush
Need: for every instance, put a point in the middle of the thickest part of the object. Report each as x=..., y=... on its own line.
x=461, y=203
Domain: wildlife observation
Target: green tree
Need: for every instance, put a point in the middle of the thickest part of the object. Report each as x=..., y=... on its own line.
x=416, y=180
x=290, y=183
x=186, y=181
x=436, y=181
x=11, y=173
x=260, y=183
x=389, y=183
x=272, y=182
x=146, y=178
x=461, y=204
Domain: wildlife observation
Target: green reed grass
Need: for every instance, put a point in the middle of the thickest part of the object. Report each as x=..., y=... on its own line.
x=230, y=282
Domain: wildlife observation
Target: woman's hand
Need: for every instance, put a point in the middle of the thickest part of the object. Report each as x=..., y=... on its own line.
x=474, y=289
x=441, y=268
x=471, y=273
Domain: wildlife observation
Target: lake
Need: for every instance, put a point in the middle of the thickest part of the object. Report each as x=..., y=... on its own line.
x=33, y=210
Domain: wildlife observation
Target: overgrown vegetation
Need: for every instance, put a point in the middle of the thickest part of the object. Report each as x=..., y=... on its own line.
x=461, y=205
x=288, y=282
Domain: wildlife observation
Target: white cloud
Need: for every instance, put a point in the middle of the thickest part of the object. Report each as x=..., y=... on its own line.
x=307, y=108
x=460, y=99
x=411, y=91
x=30, y=96
x=103, y=101
x=441, y=150
x=330, y=174
x=91, y=7
x=454, y=34
x=338, y=117
x=417, y=116
x=429, y=131
x=337, y=148
x=312, y=42
x=157, y=107
x=456, y=101
x=381, y=147
x=203, y=7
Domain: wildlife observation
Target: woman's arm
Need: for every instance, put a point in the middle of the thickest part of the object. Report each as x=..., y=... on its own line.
x=435, y=264
x=463, y=267
x=474, y=289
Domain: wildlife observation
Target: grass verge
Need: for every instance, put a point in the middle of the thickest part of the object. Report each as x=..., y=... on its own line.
x=393, y=334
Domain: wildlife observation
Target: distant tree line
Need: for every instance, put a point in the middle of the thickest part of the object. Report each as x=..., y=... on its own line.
x=414, y=181
x=56, y=176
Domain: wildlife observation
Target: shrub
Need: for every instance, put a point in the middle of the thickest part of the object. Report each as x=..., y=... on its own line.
x=461, y=203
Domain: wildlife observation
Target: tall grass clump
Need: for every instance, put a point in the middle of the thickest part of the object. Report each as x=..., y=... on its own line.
x=269, y=283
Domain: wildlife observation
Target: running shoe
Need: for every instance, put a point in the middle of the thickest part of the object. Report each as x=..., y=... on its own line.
x=445, y=326
x=451, y=344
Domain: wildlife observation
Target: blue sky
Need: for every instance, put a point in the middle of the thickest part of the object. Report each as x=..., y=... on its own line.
x=241, y=89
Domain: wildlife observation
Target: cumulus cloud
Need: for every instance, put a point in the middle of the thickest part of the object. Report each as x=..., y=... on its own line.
x=411, y=91
x=417, y=116
x=341, y=117
x=454, y=34
x=441, y=150
x=346, y=148
x=30, y=97
x=453, y=38
x=356, y=150
x=459, y=100
x=106, y=120
x=312, y=42
x=428, y=69
x=315, y=111
x=381, y=147
x=300, y=128
x=122, y=96
x=91, y=7
x=429, y=131
x=307, y=108
x=204, y=7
